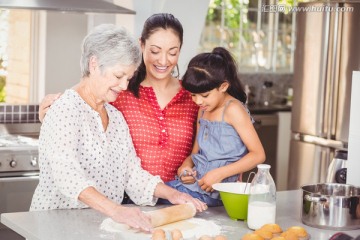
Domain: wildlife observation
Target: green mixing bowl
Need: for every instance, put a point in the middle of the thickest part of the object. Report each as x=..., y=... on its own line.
x=234, y=198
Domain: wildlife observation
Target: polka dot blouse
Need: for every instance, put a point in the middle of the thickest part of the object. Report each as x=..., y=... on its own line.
x=75, y=153
x=163, y=138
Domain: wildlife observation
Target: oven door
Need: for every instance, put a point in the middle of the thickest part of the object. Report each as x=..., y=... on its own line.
x=15, y=196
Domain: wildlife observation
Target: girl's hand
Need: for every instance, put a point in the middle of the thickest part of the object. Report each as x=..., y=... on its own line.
x=181, y=198
x=45, y=104
x=186, y=175
x=209, y=179
x=133, y=217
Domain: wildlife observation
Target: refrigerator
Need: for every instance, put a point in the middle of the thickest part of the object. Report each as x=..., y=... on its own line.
x=327, y=51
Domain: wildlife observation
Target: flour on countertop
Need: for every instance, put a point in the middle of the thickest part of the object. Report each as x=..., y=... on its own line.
x=192, y=228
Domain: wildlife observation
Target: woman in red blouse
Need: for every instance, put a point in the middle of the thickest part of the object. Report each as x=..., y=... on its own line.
x=160, y=113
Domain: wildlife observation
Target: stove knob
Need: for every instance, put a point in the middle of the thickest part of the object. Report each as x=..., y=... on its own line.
x=13, y=163
x=33, y=161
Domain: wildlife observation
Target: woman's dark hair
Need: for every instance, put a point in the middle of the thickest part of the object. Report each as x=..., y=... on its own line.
x=151, y=25
x=207, y=71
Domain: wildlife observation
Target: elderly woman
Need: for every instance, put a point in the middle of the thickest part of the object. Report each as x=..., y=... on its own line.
x=87, y=158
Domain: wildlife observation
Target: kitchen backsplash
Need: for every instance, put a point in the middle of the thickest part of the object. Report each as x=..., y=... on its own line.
x=280, y=85
x=19, y=113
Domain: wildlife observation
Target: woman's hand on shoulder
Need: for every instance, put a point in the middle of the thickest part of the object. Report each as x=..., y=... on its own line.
x=133, y=217
x=45, y=104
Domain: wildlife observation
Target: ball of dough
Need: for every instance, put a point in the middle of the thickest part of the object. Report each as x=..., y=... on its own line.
x=278, y=238
x=299, y=231
x=264, y=233
x=158, y=234
x=272, y=227
x=176, y=234
x=252, y=236
x=289, y=235
x=220, y=237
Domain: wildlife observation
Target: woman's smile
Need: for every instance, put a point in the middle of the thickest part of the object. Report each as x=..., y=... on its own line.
x=161, y=68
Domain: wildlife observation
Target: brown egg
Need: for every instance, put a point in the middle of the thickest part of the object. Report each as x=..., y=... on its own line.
x=176, y=234
x=158, y=234
x=220, y=237
x=205, y=237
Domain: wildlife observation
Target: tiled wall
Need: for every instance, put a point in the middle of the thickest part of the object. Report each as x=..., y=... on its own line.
x=281, y=84
x=29, y=113
x=19, y=113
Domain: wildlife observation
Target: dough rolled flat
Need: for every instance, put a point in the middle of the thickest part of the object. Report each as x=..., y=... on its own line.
x=171, y=214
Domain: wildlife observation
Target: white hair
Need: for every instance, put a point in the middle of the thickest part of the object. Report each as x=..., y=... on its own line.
x=111, y=45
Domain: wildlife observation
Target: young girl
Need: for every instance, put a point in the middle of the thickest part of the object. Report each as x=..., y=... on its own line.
x=226, y=143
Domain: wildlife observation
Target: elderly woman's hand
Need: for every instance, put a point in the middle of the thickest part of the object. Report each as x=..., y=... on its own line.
x=133, y=217
x=181, y=198
x=45, y=104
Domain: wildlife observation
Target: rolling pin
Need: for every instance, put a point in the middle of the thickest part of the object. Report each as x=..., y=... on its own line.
x=171, y=214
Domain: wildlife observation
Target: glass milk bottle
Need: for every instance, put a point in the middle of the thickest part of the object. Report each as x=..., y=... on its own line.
x=262, y=199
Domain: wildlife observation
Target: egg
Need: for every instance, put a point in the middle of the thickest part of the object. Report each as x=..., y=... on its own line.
x=158, y=234
x=176, y=234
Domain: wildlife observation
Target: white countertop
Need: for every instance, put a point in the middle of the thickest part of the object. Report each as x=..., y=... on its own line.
x=85, y=224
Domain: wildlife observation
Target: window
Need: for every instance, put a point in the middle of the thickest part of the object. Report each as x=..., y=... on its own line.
x=260, y=34
x=4, y=26
x=15, y=55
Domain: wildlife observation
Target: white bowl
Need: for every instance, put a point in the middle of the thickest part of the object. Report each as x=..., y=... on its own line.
x=232, y=187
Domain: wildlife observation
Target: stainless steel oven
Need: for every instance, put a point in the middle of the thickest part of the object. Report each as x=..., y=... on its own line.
x=19, y=170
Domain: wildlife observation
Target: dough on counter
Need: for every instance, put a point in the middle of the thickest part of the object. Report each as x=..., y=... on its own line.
x=220, y=237
x=205, y=237
x=190, y=228
x=110, y=225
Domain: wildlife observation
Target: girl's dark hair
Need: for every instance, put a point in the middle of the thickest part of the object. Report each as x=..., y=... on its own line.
x=151, y=25
x=207, y=71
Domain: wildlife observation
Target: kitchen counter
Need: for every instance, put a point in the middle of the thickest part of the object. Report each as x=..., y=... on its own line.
x=85, y=224
x=258, y=109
